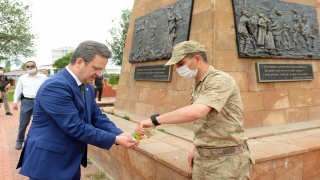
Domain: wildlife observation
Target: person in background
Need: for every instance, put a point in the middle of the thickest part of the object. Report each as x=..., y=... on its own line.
x=26, y=89
x=98, y=85
x=220, y=147
x=4, y=86
x=66, y=118
x=44, y=71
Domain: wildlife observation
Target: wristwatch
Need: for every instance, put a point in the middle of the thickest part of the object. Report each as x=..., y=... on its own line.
x=154, y=119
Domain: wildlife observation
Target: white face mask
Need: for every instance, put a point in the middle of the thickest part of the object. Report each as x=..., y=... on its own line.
x=185, y=72
x=31, y=71
x=1, y=72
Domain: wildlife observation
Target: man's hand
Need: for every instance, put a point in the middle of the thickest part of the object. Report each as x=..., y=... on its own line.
x=143, y=124
x=125, y=141
x=15, y=106
x=190, y=159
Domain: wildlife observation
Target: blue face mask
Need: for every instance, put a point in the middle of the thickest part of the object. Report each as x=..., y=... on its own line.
x=185, y=72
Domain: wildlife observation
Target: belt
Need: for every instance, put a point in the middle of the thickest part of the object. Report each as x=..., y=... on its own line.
x=29, y=98
x=227, y=151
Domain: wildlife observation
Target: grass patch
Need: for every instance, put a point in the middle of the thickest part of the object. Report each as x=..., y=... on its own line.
x=126, y=117
x=10, y=96
x=12, y=88
x=89, y=161
x=96, y=176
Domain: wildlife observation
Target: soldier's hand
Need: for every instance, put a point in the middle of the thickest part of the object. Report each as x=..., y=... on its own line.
x=191, y=158
x=140, y=129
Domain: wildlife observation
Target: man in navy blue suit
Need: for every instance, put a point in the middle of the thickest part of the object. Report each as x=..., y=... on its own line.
x=66, y=118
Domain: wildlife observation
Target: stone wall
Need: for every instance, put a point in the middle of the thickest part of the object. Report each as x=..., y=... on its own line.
x=212, y=24
x=128, y=164
x=281, y=152
x=108, y=90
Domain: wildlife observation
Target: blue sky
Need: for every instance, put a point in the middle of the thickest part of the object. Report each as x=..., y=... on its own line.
x=60, y=23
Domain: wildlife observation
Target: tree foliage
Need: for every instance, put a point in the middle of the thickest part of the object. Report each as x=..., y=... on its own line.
x=16, y=38
x=62, y=62
x=118, y=37
x=113, y=79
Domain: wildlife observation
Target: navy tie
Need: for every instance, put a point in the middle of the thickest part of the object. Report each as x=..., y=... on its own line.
x=82, y=92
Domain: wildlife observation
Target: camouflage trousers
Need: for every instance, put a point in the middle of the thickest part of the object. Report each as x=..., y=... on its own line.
x=223, y=167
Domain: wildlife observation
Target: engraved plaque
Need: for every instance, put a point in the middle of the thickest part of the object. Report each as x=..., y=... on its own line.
x=271, y=72
x=276, y=29
x=153, y=73
x=156, y=33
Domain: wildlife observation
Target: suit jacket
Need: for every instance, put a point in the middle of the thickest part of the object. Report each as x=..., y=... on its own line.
x=61, y=128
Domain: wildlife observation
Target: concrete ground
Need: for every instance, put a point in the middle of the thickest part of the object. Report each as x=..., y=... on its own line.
x=9, y=156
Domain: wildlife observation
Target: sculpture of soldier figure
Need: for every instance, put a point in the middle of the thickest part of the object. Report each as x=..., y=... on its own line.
x=262, y=31
x=297, y=17
x=173, y=15
x=306, y=31
x=244, y=31
x=296, y=28
x=286, y=31
x=276, y=32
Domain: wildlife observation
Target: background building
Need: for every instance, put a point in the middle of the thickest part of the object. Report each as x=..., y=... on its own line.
x=60, y=52
x=48, y=67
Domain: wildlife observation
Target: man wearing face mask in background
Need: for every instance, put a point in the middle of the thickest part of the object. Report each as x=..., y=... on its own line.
x=26, y=89
x=220, y=148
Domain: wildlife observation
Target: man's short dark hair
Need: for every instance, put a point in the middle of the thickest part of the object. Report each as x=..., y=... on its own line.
x=201, y=53
x=32, y=62
x=87, y=50
x=1, y=67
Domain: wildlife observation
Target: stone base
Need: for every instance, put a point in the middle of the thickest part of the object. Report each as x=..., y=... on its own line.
x=281, y=152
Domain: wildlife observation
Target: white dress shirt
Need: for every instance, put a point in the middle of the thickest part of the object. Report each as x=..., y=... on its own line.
x=28, y=85
x=74, y=76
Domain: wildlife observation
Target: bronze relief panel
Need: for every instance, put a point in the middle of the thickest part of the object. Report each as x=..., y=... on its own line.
x=276, y=29
x=156, y=33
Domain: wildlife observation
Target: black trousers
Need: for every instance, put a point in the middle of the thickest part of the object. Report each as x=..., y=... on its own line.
x=98, y=88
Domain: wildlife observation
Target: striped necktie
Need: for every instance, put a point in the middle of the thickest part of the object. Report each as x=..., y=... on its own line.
x=82, y=92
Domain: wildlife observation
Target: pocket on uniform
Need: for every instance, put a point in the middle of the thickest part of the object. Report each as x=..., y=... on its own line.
x=50, y=146
x=251, y=156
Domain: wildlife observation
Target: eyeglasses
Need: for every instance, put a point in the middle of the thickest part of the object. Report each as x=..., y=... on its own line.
x=98, y=70
x=30, y=66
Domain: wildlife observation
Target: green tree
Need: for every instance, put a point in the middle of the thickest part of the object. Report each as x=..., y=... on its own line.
x=62, y=62
x=113, y=79
x=16, y=39
x=118, y=37
x=7, y=67
x=23, y=67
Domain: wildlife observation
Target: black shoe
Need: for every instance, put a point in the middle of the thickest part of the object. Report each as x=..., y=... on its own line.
x=18, y=146
x=9, y=114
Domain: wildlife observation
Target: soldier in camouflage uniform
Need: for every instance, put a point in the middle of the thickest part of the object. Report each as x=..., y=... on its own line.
x=220, y=148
